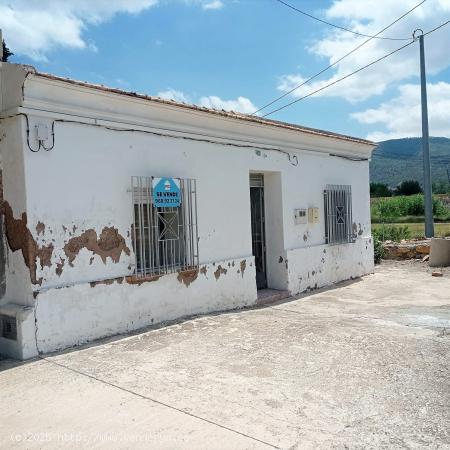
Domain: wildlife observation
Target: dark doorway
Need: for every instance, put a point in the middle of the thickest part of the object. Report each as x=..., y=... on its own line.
x=258, y=228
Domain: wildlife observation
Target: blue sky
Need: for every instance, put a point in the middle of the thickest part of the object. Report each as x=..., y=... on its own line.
x=238, y=54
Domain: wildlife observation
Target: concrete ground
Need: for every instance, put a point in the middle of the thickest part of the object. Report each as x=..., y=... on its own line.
x=363, y=365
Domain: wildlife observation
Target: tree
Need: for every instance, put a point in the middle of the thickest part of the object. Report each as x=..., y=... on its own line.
x=408, y=187
x=379, y=190
x=6, y=52
x=441, y=187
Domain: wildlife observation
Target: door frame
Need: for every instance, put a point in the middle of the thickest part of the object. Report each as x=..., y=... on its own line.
x=256, y=181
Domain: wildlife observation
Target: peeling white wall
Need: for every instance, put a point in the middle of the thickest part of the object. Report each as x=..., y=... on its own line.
x=81, y=313
x=322, y=265
x=12, y=132
x=84, y=183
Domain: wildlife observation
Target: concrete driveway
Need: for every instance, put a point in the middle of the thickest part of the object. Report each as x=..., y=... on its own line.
x=363, y=365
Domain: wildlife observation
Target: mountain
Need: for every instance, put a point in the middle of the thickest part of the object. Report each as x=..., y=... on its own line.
x=396, y=160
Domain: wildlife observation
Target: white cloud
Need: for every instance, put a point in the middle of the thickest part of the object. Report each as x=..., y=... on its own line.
x=213, y=4
x=369, y=17
x=241, y=104
x=172, y=94
x=33, y=28
x=206, y=4
x=401, y=116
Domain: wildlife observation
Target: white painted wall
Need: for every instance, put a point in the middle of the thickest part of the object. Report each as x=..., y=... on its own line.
x=84, y=182
x=81, y=313
x=275, y=229
x=322, y=265
x=18, y=287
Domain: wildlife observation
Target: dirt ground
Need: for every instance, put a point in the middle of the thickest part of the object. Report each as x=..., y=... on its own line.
x=363, y=365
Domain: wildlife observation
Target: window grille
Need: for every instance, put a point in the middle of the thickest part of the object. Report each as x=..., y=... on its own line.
x=338, y=214
x=165, y=239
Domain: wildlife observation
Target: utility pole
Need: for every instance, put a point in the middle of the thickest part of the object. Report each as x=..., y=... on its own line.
x=1, y=46
x=428, y=195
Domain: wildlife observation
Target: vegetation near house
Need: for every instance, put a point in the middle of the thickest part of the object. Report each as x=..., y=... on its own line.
x=380, y=190
x=408, y=187
x=403, y=207
x=378, y=249
x=397, y=202
x=6, y=52
x=402, y=217
x=392, y=233
x=441, y=187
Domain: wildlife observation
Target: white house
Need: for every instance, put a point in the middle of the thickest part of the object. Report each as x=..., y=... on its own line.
x=121, y=210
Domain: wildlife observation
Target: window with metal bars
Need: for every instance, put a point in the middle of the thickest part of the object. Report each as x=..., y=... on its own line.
x=338, y=214
x=165, y=239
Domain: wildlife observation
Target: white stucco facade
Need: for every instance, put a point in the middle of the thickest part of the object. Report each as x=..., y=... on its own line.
x=62, y=293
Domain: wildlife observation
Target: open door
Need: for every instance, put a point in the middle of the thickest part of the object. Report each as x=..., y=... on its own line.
x=258, y=228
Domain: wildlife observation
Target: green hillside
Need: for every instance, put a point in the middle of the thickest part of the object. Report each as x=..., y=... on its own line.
x=401, y=159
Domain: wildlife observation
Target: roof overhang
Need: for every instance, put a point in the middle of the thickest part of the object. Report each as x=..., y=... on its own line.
x=54, y=97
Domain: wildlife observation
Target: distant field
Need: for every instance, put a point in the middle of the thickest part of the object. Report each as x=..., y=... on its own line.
x=418, y=229
x=402, y=217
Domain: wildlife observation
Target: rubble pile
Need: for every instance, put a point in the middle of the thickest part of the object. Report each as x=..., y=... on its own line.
x=407, y=249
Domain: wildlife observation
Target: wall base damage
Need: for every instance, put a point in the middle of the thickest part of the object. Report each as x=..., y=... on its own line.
x=70, y=250
x=24, y=344
x=323, y=265
x=81, y=313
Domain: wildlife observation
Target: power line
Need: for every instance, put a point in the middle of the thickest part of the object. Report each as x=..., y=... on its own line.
x=354, y=72
x=437, y=28
x=338, y=60
x=338, y=26
x=339, y=79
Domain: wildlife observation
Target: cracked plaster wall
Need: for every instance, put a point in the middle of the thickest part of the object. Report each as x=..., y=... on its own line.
x=78, y=221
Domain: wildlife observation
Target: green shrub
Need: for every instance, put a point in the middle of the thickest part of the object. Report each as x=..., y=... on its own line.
x=441, y=187
x=439, y=209
x=387, y=209
x=392, y=233
x=378, y=250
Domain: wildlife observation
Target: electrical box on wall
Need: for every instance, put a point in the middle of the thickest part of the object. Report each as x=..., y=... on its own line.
x=313, y=215
x=300, y=216
x=41, y=132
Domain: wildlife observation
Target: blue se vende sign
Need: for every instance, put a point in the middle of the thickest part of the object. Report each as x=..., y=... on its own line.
x=166, y=192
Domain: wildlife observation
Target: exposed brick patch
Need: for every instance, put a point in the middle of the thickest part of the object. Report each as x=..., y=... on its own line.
x=220, y=270
x=243, y=265
x=19, y=237
x=110, y=244
x=187, y=276
x=60, y=266
x=133, y=279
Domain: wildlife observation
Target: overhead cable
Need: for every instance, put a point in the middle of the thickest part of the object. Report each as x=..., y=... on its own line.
x=353, y=73
x=338, y=60
x=338, y=26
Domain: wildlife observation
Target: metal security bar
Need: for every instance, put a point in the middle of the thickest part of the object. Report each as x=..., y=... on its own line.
x=338, y=214
x=165, y=239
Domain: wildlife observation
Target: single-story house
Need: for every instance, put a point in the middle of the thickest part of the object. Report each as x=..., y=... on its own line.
x=121, y=210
